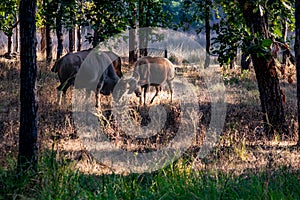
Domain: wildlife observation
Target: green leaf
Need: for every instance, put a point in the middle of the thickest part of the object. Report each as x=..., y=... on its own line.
x=266, y=43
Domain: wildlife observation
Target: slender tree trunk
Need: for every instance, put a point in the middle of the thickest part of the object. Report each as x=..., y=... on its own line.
x=9, y=45
x=284, y=29
x=133, y=52
x=232, y=63
x=96, y=38
x=43, y=41
x=72, y=30
x=266, y=75
x=207, y=33
x=28, y=149
x=143, y=37
x=72, y=39
x=16, y=46
x=245, y=61
x=79, y=42
x=78, y=38
x=297, y=55
x=59, y=33
x=285, y=53
x=49, y=46
x=143, y=33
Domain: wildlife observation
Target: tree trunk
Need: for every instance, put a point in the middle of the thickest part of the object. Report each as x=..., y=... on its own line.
x=78, y=38
x=133, y=52
x=16, y=46
x=48, y=43
x=59, y=33
x=143, y=33
x=270, y=96
x=95, y=38
x=297, y=55
x=72, y=39
x=9, y=45
x=28, y=149
x=284, y=29
x=43, y=41
x=207, y=33
x=72, y=29
x=232, y=63
x=285, y=53
x=245, y=61
x=143, y=43
x=267, y=79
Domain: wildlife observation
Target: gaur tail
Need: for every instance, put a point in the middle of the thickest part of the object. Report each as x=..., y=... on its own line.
x=172, y=74
x=56, y=65
x=54, y=68
x=71, y=78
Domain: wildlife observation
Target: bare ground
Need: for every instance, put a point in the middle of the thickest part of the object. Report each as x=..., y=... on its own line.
x=241, y=147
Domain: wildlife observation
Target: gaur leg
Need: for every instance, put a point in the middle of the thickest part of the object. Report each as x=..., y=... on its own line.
x=97, y=96
x=86, y=104
x=140, y=100
x=68, y=84
x=64, y=97
x=157, y=88
x=87, y=96
x=59, y=95
x=97, y=93
x=170, y=88
x=62, y=90
x=145, y=92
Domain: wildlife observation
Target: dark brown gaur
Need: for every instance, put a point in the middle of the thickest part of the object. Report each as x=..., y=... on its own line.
x=68, y=66
x=97, y=74
x=151, y=71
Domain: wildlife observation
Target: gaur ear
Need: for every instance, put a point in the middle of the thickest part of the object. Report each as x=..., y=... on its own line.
x=132, y=84
x=130, y=91
x=124, y=82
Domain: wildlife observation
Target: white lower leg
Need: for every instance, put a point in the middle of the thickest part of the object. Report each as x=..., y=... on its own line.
x=97, y=100
x=59, y=94
x=64, y=99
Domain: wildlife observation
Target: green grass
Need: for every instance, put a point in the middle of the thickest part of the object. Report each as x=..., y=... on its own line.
x=59, y=180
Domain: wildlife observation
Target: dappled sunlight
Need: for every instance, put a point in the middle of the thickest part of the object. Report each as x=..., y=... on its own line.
x=243, y=120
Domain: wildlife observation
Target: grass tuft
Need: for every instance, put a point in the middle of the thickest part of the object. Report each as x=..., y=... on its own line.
x=58, y=179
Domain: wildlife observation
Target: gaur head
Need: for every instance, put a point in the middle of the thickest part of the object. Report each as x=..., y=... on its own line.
x=131, y=84
x=138, y=91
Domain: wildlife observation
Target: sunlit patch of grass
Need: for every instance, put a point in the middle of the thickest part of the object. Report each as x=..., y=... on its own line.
x=241, y=150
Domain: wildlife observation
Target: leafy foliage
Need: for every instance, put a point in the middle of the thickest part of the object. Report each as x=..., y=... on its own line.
x=191, y=15
x=8, y=15
x=231, y=31
x=106, y=17
x=233, y=34
x=280, y=12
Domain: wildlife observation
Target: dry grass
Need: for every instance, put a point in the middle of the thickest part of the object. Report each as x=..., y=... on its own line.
x=242, y=145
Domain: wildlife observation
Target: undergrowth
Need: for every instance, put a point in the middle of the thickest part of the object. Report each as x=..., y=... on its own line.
x=58, y=179
x=241, y=148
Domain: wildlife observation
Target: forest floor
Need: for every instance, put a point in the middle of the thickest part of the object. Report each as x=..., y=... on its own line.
x=241, y=147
